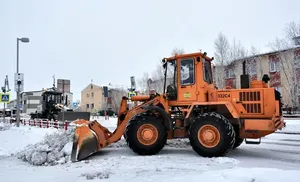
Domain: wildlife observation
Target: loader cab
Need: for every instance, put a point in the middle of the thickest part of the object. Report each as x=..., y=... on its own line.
x=50, y=98
x=186, y=76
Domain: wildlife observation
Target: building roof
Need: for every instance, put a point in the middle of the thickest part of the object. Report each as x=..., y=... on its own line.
x=35, y=91
x=268, y=53
x=89, y=85
x=32, y=91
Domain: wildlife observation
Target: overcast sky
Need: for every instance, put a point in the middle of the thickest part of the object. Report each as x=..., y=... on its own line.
x=109, y=41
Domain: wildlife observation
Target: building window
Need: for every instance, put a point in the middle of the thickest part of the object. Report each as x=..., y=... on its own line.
x=92, y=94
x=229, y=73
x=87, y=95
x=274, y=63
x=87, y=105
x=274, y=66
x=92, y=86
x=92, y=106
x=187, y=76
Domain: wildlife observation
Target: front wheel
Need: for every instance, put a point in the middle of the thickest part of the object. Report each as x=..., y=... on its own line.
x=146, y=134
x=211, y=135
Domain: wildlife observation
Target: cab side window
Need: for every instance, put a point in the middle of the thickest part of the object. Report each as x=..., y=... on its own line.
x=187, y=74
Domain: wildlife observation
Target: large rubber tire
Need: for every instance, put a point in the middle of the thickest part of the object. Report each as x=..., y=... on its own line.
x=238, y=140
x=218, y=128
x=132, y=133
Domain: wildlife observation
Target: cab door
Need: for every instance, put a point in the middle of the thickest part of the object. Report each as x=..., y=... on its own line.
x=187, y=80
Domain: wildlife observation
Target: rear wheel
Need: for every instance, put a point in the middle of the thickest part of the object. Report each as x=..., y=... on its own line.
x=212, y=135
x=146, y=134
x=238, y=140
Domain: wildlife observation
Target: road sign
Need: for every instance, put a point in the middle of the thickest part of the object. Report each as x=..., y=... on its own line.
x=5, y=97
x=130, y=94
x=75, y=104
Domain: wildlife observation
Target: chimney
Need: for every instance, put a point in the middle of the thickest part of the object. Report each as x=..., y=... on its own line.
x=297, y=41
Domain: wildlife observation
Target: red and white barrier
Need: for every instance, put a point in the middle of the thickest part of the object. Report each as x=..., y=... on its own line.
x=45, y=123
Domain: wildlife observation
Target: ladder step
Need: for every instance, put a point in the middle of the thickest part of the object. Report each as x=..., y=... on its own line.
x=252, y=142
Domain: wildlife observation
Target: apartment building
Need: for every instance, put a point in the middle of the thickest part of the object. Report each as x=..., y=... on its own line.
x=30, y=101
x=92, y=98
x=283, y=68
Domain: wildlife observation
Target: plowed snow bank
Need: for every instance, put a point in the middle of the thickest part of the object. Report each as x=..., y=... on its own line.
x=54, y=149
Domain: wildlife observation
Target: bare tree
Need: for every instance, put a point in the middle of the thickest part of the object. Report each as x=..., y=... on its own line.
x=158, y=75
x=237, y=51
x=143, y=83
x=116, y=97
x=178, y=51
x=222, y=58
x=292, y=30
x=254, y=51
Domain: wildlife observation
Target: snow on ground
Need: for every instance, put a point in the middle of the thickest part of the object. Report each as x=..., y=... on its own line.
x=292, y=126
x=275, y=159
x=4, y=126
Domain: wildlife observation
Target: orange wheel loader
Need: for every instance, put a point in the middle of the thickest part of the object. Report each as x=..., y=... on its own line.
x=214, y=120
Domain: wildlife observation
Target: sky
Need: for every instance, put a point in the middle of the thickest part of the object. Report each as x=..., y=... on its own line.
x=109, y=41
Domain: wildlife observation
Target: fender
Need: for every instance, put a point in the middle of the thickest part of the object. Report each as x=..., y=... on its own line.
x=163, y=113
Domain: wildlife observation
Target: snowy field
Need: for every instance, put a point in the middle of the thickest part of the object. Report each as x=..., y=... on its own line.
x=276, y=159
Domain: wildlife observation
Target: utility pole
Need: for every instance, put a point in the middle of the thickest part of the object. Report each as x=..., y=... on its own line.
x=5, y=89
x=18, y=80
x=63, y=101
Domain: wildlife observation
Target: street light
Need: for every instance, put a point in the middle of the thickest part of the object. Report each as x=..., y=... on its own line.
x=24, y=40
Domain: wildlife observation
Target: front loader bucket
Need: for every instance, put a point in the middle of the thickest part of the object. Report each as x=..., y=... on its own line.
x=89, y=137
x=85, y=142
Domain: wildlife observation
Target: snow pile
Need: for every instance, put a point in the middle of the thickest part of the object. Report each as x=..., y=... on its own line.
x=4, y=126
x=54, y=149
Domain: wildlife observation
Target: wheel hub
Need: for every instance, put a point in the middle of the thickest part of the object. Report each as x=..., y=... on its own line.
x=147, y=134
x=209, y=136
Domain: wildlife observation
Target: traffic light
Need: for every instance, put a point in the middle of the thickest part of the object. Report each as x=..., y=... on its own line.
x=19, y=82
